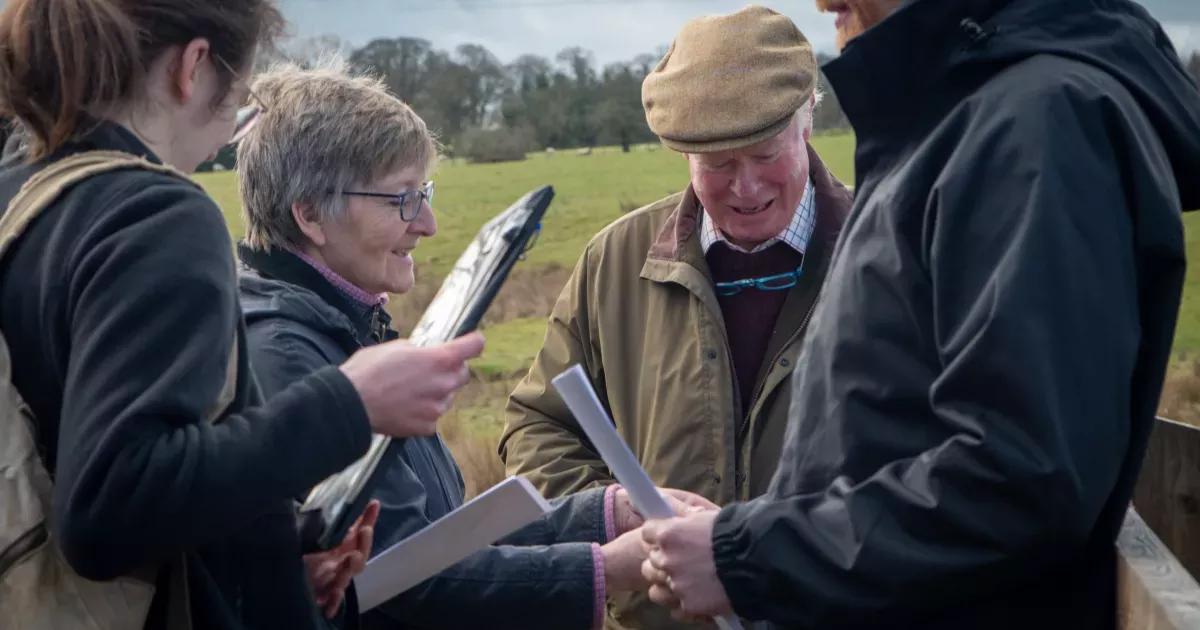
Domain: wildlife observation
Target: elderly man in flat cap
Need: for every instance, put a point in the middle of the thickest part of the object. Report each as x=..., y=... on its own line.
x=982, y=372
x=688, y=313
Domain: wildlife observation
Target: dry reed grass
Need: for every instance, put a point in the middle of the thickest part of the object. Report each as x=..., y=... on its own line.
x=526, y=293
x=472, y=431
x=1181, y=391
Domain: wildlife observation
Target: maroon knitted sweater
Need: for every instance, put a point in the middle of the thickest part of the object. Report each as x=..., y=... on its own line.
x=751, y=314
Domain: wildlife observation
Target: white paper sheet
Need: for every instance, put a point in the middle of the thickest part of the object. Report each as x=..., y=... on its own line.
x=579, y=395
x=494, y=514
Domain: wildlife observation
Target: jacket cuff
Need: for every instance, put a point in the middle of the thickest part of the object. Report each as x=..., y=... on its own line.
x=610, y=506
x=598, y=588
x=350, y=409
x=738, y=574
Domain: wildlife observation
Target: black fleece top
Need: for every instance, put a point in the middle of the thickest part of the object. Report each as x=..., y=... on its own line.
x=120, y=309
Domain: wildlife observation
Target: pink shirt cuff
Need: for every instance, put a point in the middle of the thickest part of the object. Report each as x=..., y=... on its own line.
x=610, y=503
x=598, y=587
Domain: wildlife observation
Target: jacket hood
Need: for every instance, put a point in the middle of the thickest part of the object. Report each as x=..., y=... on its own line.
x=945, y=40
x=279, y=285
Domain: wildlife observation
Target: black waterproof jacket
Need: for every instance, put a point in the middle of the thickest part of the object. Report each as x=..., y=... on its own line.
x=299, y=323
x=979, y=379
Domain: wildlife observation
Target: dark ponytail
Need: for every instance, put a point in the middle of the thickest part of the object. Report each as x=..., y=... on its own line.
x=58, y=55
x=60, y=59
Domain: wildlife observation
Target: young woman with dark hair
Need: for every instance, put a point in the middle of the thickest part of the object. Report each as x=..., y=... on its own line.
x=126, y=339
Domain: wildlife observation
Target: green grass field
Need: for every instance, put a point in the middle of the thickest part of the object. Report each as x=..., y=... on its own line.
x=1187, y=332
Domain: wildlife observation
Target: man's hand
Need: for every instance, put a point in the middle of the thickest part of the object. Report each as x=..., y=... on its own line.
x=406, y=388
x=680, y=567
x=330, y=572
x=627, y=518
x=623, y=559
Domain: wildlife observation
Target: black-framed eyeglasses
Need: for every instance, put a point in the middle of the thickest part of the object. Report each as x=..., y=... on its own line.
x=407, y=202
x=248, y=114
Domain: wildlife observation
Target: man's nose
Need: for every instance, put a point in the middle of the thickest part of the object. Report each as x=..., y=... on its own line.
x=745, y=182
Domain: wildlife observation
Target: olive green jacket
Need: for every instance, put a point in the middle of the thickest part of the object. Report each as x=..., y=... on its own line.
x=640, y=314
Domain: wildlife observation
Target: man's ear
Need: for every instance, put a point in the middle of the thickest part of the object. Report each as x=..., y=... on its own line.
x=309, y=221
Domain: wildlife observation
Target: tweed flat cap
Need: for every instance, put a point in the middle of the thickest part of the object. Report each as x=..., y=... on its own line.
x=729, y=81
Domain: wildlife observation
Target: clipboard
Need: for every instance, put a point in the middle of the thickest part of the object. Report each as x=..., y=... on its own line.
x=494, y=514
x=465, y=295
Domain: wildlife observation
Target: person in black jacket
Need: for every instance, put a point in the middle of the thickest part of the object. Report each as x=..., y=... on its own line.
x=121, y=313
x=336, y=198
x=983, y=369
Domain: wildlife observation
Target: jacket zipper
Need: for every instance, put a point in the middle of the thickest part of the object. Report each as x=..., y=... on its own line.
x=378, y=335
x=21, y=547
x=744, y=415
x=811, y=307
x=759, y=388
x=375, y=331
x=799, y=332
x=426, y=449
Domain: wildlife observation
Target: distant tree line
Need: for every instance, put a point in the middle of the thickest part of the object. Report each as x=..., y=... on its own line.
x=486, y=110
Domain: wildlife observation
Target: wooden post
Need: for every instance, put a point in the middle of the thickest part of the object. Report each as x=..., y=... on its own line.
x=1167, y=495
x=1153, y=591
x=1159, y=556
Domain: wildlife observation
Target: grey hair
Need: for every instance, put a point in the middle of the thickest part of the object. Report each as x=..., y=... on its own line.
x=805, y=113
x=324, y=131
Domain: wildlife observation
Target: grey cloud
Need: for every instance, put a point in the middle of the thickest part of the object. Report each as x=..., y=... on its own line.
x=614, y=30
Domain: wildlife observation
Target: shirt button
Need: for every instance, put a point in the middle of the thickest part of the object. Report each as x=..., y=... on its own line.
x=784, y=362
x=717, y=479
x=712, y=355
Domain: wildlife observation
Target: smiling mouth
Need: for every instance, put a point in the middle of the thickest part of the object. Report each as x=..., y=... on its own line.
x=752, y=210
x=832, y=6
x=841, y=9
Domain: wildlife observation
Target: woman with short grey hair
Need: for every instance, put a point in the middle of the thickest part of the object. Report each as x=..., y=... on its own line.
x=331, y=150
x=334, y=182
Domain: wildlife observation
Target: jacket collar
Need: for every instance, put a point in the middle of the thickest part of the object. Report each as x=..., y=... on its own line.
x=906, y=59
x=900, y=78
x=676, y=256
x=679, y=239
x=917, y=60
x=371, y=324
x=96, y=135
x=110, y=135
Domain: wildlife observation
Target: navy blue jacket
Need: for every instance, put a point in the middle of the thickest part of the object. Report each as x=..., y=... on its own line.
x=977, y=385
x=120, y=310
x=298, y=323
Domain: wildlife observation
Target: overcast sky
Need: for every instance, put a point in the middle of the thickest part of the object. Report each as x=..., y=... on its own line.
x=614, y=30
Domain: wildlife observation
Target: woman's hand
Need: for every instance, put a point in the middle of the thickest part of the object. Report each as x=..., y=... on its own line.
x=329, y=572
x=627, y=518
x=406, y=388
x=623, y=560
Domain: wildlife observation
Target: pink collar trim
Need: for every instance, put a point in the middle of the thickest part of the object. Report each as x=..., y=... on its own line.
x=345, y=286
